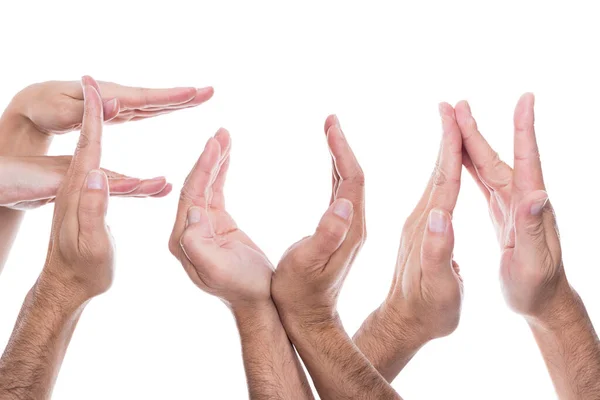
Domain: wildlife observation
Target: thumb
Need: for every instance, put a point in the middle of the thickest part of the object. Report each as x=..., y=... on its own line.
x=530, y=221
x=437, y=245
x=331, y=231
x=198, y=233
x=93, y=203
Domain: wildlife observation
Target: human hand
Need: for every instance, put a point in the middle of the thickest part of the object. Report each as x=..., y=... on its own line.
x=56, y=107
x=309, y=277
x=79, y=264
x=218, y=257
x=427, y=289
x=31, y=182
x=531, y=269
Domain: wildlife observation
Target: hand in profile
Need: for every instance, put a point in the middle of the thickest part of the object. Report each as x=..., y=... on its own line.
x=218, y=257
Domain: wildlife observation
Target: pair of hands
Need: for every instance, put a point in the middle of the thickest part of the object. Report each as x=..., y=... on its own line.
x=54, y=108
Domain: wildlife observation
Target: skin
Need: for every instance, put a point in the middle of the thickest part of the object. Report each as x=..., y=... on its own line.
x=308, y=280
x=224, y=262
x=79, y=266
x=41, y=111
x=425, y=297
x=532, y=273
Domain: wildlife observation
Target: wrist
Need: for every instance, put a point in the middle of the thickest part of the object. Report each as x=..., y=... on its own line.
x=561, y=311
x=398, y=317
x=59, y=293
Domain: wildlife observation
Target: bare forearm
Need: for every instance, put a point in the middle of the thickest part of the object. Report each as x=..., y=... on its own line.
x=34, y=354
x=339, y=370
x=389, y=339
x=17, y=138
x=570, y=348
x=273, y=370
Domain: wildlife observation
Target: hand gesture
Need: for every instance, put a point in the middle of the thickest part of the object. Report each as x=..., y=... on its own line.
x=531, y=268
x=218, y=257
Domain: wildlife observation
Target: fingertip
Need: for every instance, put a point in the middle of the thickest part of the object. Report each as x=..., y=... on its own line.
x=330, y=121
x=446, y=110
x=111, y=109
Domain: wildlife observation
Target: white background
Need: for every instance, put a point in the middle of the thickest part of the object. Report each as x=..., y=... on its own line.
x=279, y=68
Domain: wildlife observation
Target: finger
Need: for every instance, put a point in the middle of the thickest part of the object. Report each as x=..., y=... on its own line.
x=528, y=168
x=218, y=194
x=166, y=190
x=446, y=178
x=88, y=152
x=122, y=185
x=197, y=241
x=136, y=98
x=494, y=173
x=335, y=178
x=437, y=245
x=202, y=96
x=195, y=189
x=329, y=236
x=93, y=204
x=148, y=187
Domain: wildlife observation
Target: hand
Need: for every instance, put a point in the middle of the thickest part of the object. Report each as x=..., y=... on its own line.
x=309, y=277
x=531, y=267
x=427, y=288
x=31, y=182
x=56, y=107
x=218, y=257
x=81, y=250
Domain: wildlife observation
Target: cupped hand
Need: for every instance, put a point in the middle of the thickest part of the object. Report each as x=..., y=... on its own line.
x=218, y=257
x=81, y=250
x=56, y=107
x=531, y=267
x=310, y=275
x=427, y=288
x=31, y=182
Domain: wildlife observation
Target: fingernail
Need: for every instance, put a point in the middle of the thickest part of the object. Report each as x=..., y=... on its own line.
x=437, y=221
x=95, y=180
x=343, y=208
x=538, y=206
x=111, y=105
x=336, y=121
x=194, y=215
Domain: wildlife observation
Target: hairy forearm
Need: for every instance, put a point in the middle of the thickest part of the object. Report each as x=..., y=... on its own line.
x=570, y=348
x=17, y=138
x=338, y=368
x=273, y=370
x=34, y=354
x=389, y=338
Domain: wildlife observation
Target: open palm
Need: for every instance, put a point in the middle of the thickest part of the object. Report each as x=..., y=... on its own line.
x=219, y=258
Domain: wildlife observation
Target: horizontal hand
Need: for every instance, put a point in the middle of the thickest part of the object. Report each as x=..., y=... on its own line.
x=31, y=182
x=56, y=107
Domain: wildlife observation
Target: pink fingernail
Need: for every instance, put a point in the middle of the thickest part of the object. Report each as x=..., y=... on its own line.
x=343, y=208
x=437, y=221
x=95, y=180
x=194, y=215
x=538, y=206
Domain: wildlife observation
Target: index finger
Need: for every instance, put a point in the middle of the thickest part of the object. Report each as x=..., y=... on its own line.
x=446, y=179
x=89, y=148
x=136, y=98
x=528, y=167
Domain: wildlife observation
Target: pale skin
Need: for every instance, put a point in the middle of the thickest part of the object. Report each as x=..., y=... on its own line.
x=223, y=261
x=532, y=273
x=424, y=301
x=79, y=266
x=308, y=280
x=43, y=110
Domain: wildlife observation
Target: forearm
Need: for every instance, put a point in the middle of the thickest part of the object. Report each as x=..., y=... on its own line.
x=34, y=354
x=273, y=370
x=339, y=370
x=389, y=338
x=17, y=138
x=570, y=348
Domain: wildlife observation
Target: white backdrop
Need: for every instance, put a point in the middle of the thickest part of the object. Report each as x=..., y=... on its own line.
x=279, y=68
